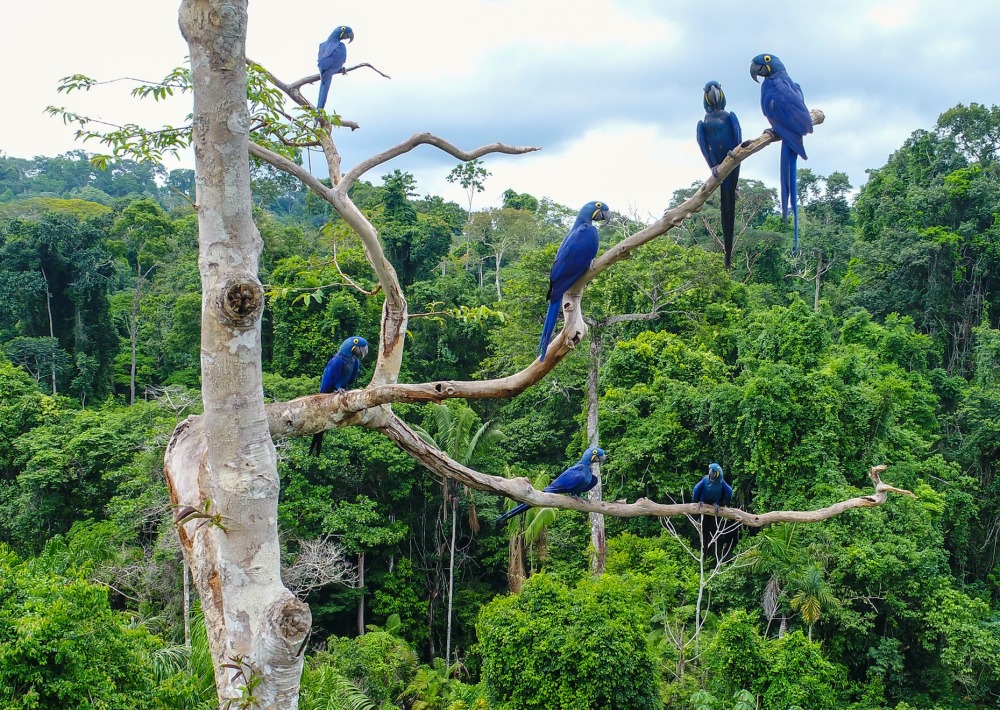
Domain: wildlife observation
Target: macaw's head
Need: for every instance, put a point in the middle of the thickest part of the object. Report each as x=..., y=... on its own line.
x=344, y=32
x=594, y=455
x=596, y=211
x=765, y=65
x=356, y=346
x=714, y=98
x=714, y=472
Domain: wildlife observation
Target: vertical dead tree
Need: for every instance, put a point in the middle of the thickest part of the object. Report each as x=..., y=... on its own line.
x=222, y=470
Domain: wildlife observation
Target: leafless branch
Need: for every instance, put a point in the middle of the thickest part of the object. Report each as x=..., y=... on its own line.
x=313, y=78
x=428, y=139
x=319, y=563
x=292, y=92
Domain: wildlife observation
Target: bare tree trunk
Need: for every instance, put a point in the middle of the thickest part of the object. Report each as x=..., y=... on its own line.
x=701, y=587
x=221, y=466
x=133, y=331
x=52, y=332
x=187, y=602
x=597, y=536
x=361, y=599
x=499, y=258
x=819, y=273
x=451, y=575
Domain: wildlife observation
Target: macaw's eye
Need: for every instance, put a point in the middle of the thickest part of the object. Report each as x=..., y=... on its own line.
x=597, y=205
x=767, y=58
x=355, y=341
x=342, y=29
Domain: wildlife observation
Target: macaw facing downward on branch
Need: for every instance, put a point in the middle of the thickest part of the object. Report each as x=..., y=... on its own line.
x=340, y=371
x=718, y=134
x=332, y=56
x=575, y=480
x=577, y=250
x=713, y=489
x=784, y=106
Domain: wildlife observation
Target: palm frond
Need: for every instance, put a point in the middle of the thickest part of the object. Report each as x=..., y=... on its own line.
x=485, y=438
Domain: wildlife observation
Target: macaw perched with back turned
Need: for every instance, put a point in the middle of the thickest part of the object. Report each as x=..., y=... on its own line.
x=784, y=106
x=577, y=250
x=339, y=373
x=718, y=134
x=575, y=480
x=713, y=489
x=332, y=56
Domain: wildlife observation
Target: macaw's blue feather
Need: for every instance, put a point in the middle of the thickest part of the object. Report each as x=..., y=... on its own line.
x=784, y=106
x=575, y=480
x=718, y=134
x=713, y=489
x=340, y=371
x=331, y=59
x=577, y=250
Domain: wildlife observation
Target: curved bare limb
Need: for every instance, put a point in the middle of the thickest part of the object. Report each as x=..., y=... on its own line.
x=428, y=139
x=521, y=490
x=385, y=390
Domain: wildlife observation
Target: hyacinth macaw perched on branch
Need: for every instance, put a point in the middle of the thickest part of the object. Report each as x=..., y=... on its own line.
x=577, y=250
x=784, y=106
x=575, y=480
x=718, y=134
x=340, y=372
x=332, y=56
x=713, y=489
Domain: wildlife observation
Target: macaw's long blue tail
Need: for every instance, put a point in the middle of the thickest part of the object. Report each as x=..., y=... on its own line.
x=324, y=89
x=317, y=444
x=516, y=510
x=789, y=190
x=550, y=325
x=727, y=196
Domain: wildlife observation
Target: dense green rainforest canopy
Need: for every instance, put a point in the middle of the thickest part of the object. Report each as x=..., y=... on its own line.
x=878, y=343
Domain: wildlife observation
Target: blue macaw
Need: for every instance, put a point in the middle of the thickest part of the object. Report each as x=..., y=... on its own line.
x=718, y=134
x=784, y=106
x=340, y=372
x=332, y=55
x=713, y=489
x=577, y=250
x=575, y=480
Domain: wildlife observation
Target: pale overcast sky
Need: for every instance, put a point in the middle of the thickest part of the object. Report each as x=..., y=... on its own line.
x=611, y=91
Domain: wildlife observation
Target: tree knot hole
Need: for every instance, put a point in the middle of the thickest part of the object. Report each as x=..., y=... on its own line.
x=243, y=301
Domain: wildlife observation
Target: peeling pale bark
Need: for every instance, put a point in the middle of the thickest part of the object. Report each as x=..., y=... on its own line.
x=223, y=463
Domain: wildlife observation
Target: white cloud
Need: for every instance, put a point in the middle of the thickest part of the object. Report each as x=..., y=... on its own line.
x=609, y=89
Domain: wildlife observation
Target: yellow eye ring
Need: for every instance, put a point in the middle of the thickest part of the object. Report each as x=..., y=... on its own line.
x=767, y=58
x=597, y=205
x=355, y=341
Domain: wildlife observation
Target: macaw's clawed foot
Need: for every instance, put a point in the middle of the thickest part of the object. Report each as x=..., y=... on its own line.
x=716, y=508
x=715, y=173
x=341, y=390
x=729, y=154
x=772, y=133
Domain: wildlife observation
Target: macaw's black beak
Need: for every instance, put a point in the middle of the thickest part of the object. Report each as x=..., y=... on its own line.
x=714, y=96
x=362, y=351
x=349, y=36
x=602, y=458
x=602, y=215
x=755, y=71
